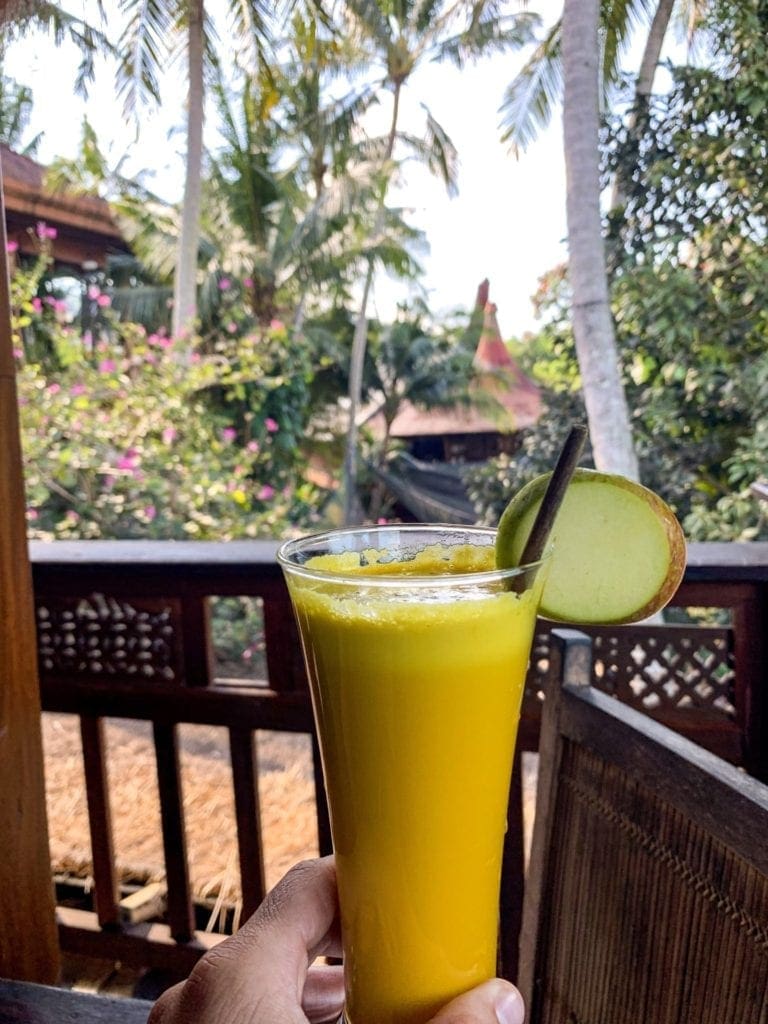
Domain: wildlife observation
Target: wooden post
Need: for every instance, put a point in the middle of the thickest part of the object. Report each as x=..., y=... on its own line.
x=29, y=949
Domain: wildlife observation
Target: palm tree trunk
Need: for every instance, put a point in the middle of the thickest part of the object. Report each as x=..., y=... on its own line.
x=607, y=411
x=352, y=510
x=185, y=283
x=644, y=86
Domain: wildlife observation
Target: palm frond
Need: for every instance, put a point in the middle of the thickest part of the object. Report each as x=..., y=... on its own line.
x=251, y=35
x=145, y=47
x=531, y=96
x=436, y=151
x=366, y=18
x=20, y=20
x=152, y=231
x=489, y=35
x=618, y=20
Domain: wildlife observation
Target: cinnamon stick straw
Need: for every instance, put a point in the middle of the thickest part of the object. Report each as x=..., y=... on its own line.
x=554, y=494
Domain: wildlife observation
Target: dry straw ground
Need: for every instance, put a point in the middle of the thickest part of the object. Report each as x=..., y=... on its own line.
x=286, y=793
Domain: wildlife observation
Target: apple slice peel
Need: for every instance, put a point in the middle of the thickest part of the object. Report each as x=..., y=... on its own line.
x=618, y=550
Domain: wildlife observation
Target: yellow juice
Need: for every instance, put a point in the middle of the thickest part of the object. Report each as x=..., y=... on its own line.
x=417, y=695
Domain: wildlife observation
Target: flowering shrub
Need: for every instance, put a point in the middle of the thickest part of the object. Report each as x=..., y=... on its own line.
x=136, y=435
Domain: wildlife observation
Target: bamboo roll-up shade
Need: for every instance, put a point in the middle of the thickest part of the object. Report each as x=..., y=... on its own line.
x=28, y=937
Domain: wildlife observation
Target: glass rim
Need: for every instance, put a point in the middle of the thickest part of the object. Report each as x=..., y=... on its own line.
x=485, y=576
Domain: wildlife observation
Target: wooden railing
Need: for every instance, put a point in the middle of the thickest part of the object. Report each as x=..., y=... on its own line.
x=124, y=631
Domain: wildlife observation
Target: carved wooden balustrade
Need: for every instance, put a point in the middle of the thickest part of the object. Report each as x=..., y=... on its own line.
x=124, y=631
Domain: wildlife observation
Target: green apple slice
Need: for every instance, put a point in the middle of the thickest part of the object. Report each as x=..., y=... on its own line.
x=618, y=552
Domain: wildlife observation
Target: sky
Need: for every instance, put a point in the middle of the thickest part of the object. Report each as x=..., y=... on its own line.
x=506, y=224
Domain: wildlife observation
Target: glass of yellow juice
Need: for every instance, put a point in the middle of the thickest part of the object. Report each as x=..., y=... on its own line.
x=416, y=648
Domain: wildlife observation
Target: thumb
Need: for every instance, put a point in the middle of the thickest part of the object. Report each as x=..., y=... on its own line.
x=493, y=1002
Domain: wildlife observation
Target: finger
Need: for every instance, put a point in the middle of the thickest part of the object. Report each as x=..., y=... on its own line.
x=300, y=911
x=494, y=1002
x=323, y=998
x=265, y=964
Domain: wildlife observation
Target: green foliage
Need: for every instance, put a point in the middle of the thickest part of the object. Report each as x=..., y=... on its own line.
x=689, y=291
x=138, y=436
x=491, y=485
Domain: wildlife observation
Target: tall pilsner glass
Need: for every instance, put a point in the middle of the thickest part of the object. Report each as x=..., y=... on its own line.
x=416, y=649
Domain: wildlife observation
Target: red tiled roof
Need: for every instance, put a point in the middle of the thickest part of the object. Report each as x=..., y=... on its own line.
x=506, y=400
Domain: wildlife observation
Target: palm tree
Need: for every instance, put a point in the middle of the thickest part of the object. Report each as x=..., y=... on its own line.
x=15, y=110
x=569, y=63
x=21, y=18
x=607, y=410
x=536, y=90
x=322, y=125
x=156, y=32
x=401, y=37
x=286, y=190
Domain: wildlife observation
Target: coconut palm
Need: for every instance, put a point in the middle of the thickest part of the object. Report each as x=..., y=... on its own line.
x=157, y=32
x=580, y=56
x=21, y=18
x=15, y=110
x=283, y=223
x=607, y=410
x=537, y=89
x=401, y=37
x=321, y=123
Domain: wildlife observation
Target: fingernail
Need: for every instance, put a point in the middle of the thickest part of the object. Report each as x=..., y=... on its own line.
x=509, y=1008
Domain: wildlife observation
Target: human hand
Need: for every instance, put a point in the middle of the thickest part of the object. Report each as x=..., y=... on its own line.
x=265, y=973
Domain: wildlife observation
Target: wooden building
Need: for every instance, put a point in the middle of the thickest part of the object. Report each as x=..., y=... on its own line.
x=505, y=402
x=86, y=234
x=426, y=477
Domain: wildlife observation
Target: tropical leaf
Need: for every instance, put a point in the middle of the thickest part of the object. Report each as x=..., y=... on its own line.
x=532, y=95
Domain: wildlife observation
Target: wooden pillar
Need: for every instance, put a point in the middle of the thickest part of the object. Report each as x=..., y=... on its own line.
x=28, y=938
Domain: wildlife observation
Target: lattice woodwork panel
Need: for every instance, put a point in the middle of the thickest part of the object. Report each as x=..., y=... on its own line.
x=655, y=668
x=126, y=640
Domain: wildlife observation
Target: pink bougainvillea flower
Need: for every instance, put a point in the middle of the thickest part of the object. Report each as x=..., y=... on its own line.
x=382, y=521
x=151, y=358
x=161, y=340
x=277, y=325
x=252, y=446
x=93, y=291
x=130, y=460
x=18, y=353
x=247, y=282
x=44, y=231
x=224, y=283
x=12, y=246
x=149, y=513
x=32, y=514
x=231, y=327
x=37, y=304
x=104, y=301
x=266, y=493
x=271, y=425
x=228, y=434
x=53, y=389
x=107, y=366
x=169, y=435
x=77, y=389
